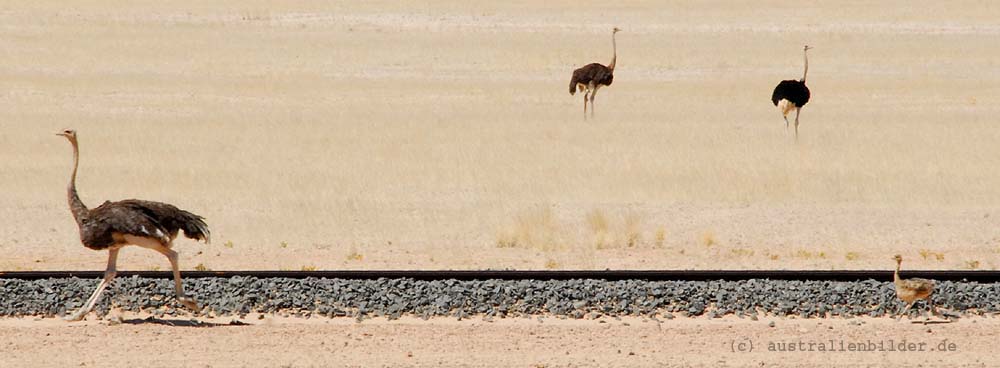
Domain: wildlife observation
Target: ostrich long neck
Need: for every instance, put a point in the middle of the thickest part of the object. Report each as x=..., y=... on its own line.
x=614, y=55
x=805, y=55
x=895, y=276
x=75, y=204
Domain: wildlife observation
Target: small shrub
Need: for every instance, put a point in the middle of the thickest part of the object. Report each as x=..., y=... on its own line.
x=354, y=256
x=708, y=239
x=551, y=264
x=660, y=237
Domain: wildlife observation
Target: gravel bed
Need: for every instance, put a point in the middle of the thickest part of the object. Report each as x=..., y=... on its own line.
x=392, y=298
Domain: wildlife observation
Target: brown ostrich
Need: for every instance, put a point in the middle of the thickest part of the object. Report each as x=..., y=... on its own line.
x=592, y=77
x=912, y=290
x=113, y=225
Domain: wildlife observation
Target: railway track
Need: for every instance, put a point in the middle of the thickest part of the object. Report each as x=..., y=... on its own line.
x=469, y=275
x=489, y=293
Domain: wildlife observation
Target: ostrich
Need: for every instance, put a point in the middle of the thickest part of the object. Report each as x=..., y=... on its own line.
x=792, y=93
x=912, y=290
x=113, y=225
x=591, y=77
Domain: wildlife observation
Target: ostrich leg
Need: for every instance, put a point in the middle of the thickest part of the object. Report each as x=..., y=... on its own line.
x=178, y=286
x=908, y=306
x=592, y=94
x=585, y=93
x=797, y=110
x=109, y=274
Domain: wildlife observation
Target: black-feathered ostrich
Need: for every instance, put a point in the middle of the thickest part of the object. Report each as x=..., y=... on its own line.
x=113, y=225
x=792, y=93
x=592, y=77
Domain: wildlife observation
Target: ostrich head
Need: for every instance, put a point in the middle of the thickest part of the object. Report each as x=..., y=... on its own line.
x=898, y=258
x=616, y=30
x=806, y=48
x=69, y=134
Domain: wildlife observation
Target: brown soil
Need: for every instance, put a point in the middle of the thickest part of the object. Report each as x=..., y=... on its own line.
x=548, y=342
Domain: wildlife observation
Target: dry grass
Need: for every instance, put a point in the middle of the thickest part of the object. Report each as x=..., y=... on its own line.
x=708, y=239
x=927, y=255
x=449, y=129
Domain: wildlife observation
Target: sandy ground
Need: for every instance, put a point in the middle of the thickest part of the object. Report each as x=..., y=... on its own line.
x=550, y=342
x=346, y=135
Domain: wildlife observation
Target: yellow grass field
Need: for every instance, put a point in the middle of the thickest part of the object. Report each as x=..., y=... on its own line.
x=440, y=135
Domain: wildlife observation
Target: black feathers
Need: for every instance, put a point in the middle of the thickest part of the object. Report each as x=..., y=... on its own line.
x=594, y=72
x=794, y=91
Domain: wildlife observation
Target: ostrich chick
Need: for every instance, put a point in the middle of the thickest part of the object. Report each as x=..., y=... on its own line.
x=912, y=290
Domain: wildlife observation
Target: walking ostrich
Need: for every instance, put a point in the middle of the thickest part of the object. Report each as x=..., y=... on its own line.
x=591, y=77
x=912, y=290
x=792, y=93
x=113, y=225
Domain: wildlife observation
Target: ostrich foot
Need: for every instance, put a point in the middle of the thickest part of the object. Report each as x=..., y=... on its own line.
x=188, y=302
x=78, y=316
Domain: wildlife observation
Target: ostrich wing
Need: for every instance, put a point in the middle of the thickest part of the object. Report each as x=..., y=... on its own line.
x=172, y=218
x=791, y=90
x=919, y=286
x=122, y=217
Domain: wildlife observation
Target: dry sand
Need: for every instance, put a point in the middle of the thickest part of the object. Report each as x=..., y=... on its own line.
x=504, y=343
x=438, y=135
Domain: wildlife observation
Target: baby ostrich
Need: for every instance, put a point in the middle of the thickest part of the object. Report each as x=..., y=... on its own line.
x=912, y=290
x=113, y=225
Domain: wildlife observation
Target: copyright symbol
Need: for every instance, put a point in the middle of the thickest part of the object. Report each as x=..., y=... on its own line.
x=741, y=345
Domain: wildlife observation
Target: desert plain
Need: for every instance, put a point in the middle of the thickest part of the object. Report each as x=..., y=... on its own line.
x=440, y=135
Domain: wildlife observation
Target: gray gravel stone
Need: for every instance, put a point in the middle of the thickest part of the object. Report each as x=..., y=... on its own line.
x=394, y=298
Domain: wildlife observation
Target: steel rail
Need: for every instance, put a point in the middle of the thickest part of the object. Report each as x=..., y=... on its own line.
x=611, y=275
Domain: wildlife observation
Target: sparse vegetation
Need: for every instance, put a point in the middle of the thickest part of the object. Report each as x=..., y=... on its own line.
x=201, y=267
x=972, y=265
x=551, y=264
x=708, y=239
x=284, y=244
x=506, y=241
x=537, y=229
x=228, y=244
x=927, y=254
x=805, y=254
x=741, y=252
x=599, y=225
x=660, y=237
x=354, y=256
x=851, y=256
x=308, y=268
x=632, y=230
